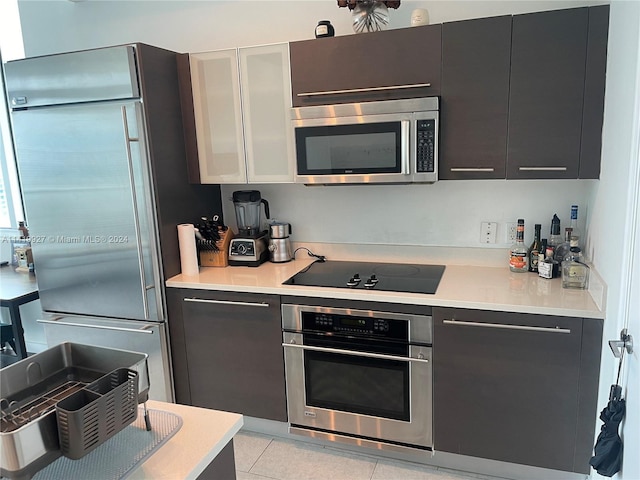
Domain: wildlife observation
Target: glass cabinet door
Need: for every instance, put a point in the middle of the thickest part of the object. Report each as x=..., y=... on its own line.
x=266, y=101
x=218, y=116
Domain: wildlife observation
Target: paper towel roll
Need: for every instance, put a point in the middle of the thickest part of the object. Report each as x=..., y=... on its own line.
x=188, y=252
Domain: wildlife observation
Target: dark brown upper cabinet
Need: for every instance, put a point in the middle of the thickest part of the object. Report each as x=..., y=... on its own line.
x=475, y=98
x=594, y=84
x=362, y=67
x=557, y=85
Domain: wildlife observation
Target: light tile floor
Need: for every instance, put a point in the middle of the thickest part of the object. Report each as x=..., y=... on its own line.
x=262, y=457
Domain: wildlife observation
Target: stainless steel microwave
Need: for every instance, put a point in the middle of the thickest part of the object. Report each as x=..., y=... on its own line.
x=389, y=141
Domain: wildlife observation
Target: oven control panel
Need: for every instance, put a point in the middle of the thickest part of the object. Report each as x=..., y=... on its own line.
x=349, y=324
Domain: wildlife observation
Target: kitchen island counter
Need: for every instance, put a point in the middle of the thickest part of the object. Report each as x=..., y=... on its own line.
x=204, y=437
x=462, y=286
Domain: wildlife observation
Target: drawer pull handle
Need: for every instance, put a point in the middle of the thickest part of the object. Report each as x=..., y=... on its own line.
x=460, y=169
x=506, y=327
x=143, y=329
x=542, y=169
x=361, y=90
x=227, y=302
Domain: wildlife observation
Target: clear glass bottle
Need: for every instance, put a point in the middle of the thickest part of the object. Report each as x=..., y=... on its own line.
x=534, y=249
x=518, y=253
x=562, y=250
x=575, y=231
x=575, y=273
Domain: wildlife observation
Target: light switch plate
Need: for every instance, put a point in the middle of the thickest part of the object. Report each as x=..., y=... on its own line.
x=488, y=232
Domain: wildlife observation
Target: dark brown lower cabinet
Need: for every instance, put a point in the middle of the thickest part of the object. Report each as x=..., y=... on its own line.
x=231, y=351
x=516, y=388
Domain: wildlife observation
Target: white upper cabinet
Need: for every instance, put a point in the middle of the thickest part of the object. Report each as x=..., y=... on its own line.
x=218, y=116
x=242, y=100
x=266, y=101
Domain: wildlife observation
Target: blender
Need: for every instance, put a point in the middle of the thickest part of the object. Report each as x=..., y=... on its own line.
x=250, y=246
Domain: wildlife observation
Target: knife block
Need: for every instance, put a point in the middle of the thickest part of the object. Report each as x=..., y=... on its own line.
x=220, y=257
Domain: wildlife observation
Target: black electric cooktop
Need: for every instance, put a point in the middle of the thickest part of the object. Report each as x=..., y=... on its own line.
x=391, y=277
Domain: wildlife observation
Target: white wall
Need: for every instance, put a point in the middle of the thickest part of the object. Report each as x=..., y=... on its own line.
x=610, y=206
x=189, y=26
x=447, y=213
x=442, y=214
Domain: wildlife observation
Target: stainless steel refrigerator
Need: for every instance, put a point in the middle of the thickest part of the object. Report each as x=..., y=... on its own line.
x=101, y=159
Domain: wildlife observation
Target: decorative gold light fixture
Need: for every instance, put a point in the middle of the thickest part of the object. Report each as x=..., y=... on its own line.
x=369, y=15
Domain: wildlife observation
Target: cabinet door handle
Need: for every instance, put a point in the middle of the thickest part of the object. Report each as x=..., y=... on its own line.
x=455, y=169
x=506, y=327
x=227, y=302
x=361, y=90
x=542, y=169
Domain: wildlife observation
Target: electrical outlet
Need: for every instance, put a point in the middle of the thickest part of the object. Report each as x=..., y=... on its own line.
x=488, y=232
x=510, y=232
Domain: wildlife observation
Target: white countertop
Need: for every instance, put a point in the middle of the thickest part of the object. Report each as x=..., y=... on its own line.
x=203, y=435
x=462, y=286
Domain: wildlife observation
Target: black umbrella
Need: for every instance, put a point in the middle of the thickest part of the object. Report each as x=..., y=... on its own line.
x=607, y=458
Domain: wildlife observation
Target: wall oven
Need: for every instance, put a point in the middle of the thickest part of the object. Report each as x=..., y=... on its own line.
x=359, y=377
x=390, y=141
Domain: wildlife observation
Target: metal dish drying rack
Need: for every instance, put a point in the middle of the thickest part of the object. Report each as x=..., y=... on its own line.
x=95, y=390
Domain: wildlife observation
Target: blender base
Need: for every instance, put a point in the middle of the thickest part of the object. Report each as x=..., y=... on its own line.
x=248, y=252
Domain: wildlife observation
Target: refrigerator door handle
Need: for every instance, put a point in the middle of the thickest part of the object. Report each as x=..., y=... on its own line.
x=143, y=280
x=143, y=329
x=146, y=286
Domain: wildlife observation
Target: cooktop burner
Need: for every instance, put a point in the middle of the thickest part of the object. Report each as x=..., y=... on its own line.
x=391, y=277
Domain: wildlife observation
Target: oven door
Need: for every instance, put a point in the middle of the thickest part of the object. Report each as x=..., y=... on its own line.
x=371, y=396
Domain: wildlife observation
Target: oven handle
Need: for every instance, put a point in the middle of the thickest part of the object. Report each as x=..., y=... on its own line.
x=355, y=353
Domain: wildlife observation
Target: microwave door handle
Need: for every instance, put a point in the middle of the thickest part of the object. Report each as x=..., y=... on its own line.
x=405, y=146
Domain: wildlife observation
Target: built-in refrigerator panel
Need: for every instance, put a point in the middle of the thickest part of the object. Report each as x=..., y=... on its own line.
x=86, y=190
x=135, y=336
x=76, y=77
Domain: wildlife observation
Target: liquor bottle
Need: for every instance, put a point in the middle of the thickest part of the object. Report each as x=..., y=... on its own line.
x=518, y=254
x=545, y=267
x=562, y=250
x=24, y=231
x=534, y=249
x=575, y=273
x=575, y=232
x=555, y=238
x=543, y=250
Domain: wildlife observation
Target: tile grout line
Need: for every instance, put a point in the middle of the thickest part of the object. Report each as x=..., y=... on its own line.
x=260, y=456
x=373, y=472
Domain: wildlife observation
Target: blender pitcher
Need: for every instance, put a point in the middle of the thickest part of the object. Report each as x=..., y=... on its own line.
x=247, y=205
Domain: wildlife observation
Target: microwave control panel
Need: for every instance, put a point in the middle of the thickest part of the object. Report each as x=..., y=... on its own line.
x=425, y=146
